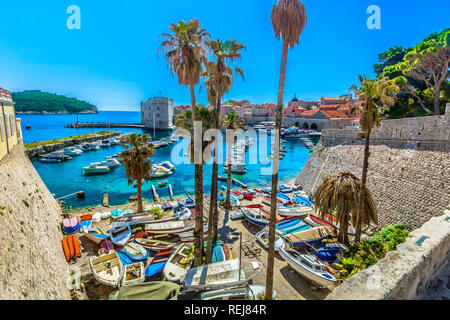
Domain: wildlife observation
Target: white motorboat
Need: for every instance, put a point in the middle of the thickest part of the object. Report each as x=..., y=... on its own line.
x=72, y=151
x=96, y=169
x=111, y=163
x=263, y=239
x=178, y=264
x=248, y=292
x=294, y=211
x=309, y=267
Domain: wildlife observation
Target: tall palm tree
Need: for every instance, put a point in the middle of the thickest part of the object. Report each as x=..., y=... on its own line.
x=232, y=122
x=288, y=20
x=136, y=159
x=220, y=76
x=185, y=53
x=340, y=193
x=374, y=95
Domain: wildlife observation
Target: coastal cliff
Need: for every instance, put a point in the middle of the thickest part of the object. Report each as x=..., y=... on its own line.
x=32, y=263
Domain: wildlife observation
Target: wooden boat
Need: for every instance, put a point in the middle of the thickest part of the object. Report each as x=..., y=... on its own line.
x=283, y=198
x=116, y=213
x=106, y=215
x=285, y=189
x=107, y=269
x=294, y=211
x=135, y=252
x=158, y=262
x=153, y=244
x=188, y=236
x=155, y=290
x=178, y=263
x=250, y=292
x=128, y=212
x=163, y=183
x=238, y=195
x=309, y=267
x=316, y=222
x=237, y=215
x=291, y=226
x=268, y=201
x=170, y=227
x=255, y=216
x=70, y=225
x=183, y=213
x=308, y=236
x=95, y=234
x=133, y=274
x=188, y=203
x=106, y=246
x=263, y=238
x=120, y=236
x=220, y=274
x=298, y=199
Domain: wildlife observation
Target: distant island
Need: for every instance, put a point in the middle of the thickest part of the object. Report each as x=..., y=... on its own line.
x=39, y=102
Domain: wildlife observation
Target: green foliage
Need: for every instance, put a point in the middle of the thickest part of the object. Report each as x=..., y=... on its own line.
x=371, y=250
x=157, y=212
x=36, y=101
x=396, y=62
x=25, y=202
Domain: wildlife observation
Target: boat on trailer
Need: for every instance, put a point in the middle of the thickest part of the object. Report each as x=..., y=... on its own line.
x=309, y=267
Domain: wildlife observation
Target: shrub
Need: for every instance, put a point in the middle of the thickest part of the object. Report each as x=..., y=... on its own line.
x=157, y=212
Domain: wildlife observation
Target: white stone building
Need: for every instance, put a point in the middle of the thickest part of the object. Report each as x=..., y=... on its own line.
x=157, y=113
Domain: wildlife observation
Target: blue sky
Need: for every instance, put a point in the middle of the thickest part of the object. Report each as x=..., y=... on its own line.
x=112, y=61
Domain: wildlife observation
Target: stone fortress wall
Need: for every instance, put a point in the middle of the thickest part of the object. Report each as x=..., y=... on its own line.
x=32, y=263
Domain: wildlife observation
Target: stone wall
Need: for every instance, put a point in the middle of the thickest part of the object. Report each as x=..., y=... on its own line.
x=408, y=169
x=405, y=273
x=32, y=263
x=67, y=143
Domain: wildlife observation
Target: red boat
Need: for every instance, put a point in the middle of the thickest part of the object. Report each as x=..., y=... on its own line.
x=316, y=222
x=107, y=245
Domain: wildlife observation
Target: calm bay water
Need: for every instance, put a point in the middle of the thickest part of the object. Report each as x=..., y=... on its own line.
x=66, y=178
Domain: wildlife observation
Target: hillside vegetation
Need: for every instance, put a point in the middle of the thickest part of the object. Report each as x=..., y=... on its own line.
x=36, y=101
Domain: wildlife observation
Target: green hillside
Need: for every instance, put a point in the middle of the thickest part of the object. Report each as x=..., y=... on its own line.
x=36, y=101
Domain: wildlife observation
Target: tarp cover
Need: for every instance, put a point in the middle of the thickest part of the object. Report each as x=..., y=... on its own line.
x=156, y=290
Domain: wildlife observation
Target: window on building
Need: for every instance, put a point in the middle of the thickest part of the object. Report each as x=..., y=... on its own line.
x=12, y=124
x=2, y=131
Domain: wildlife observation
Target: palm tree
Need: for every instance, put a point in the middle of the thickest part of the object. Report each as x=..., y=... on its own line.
x=374, y=95
x=136, y=159
x=288, y=21
x=340, y=193
x=185, y=121
x=219, y=81
x=185, y=53
x=231, y=122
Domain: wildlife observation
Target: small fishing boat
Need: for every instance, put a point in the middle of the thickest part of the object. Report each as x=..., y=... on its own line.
x=70, y=225
x=307, y=236
x=106, y=215
x=178, y=263
x=249, y=292
x=155, y=290
x=107, y=269
x=188, y=236
x=116, y=214
x=95, y=234
x=168, y=165
x=267, y=201
x=86, y=147
x=220, y=274
x=135, y=251
x=169, y=227
x=285, y=189
x=317, y=222
x=106, y=246
x=283, y=198
x=128, y=212
x=237, y=215
x=156, y=266
x=188, y=202
x=291, y=226
x=95, y=169
x=263, y=238
x=222, y=178
x=163, y=183
x=267, y=191
x=256, y=217
x=294, y=211
x=121, y=235
x=183, y=213
x=154, y=244
x=134, y=273
x=111, y=163
x=309, y=267
x=72, y=151
x=298, y=199
x=238, y=195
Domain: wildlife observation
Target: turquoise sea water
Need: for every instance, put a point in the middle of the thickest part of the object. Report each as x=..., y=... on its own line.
x=65, y=178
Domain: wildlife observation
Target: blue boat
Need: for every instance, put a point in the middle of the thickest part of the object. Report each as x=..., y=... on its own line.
x=255, y=217
x=124, y=258
x=301, y=200
x=158, y=262
x=217, y=254
x=135, y=252
x=285, y=189
x=283, y=198
x=86, y=147
x=121, y=235
x=291, y=226
x=188, y=203
x=328, y=254
x=266, y=190
x=308, y=236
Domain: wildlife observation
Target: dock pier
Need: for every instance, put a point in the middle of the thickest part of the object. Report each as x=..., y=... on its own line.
x=170, y=192
x=155, y=194
x=105, y=201
x=105, y=125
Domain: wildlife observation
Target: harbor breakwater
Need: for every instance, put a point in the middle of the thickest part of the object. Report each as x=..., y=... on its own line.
x=32, y=263
x=43, y=149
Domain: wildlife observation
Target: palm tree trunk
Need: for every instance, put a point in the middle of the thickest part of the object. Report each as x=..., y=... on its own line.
x=198, y=230
x=273, y=201
x=213, y=218
x=363, y=186
x=227, y=202
x=139, y=195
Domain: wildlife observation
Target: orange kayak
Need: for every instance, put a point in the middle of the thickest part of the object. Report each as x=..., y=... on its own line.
x=66, y=250
x=71, y=248
x=76, y=245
